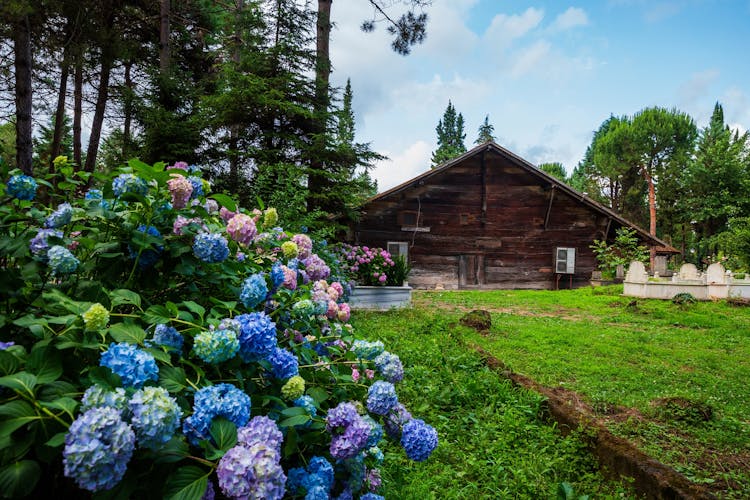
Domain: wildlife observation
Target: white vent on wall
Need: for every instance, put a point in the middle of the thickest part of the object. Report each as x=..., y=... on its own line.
x=565, y=260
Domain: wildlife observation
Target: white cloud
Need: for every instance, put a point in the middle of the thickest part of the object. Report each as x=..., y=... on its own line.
x=662, y=10
x=402, y=166
x=571, y=18
x=529, y=57
x=505, y=28
x=698, y=86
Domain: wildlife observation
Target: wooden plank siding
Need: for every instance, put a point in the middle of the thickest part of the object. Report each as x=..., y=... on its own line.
x=493, y=223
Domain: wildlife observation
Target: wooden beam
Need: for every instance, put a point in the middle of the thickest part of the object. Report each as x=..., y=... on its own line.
x=549, y=207
x=606, y=231
x=483, y=218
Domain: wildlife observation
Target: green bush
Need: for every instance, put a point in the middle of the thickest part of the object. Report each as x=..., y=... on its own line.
x=158, y=340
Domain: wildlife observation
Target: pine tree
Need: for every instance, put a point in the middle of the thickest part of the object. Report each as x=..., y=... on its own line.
x=555, y=169
x=485, y=131
x=450, y=135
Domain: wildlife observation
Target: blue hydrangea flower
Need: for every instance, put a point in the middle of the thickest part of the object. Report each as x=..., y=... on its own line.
x=61, y=260
x=155, y=416
x=371, y=496
x=316, y=479
x=252, y=473
x=377, y=454
x=395, y=421
x=97, y=396
x=352, y=471
x=418, y=439
x=133, y=365
x=148, y=256
x=284, y=364
x=129, y=183
x=39, y=244
x=5, y=345
x=254, y=291
x=197, y=186
x=389, y=365
x=367, y=350
x=277, y=274
x=63, y=215
x=97, y=450
x=166, y=336
x=21, y=187
x=381, y=397
x=257, y=336
x=95, y=197
x=221, y=400
x=308, y=403
x=345, y=495
x=210, y=247
x=263, y=430
x=376, y=432
x=216, y=346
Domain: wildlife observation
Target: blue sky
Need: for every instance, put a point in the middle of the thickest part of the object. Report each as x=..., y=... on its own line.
x=547, y=73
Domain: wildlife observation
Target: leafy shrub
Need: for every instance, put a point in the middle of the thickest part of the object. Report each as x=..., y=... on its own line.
x=159, y=341
x=624, y=250
x=370, y=266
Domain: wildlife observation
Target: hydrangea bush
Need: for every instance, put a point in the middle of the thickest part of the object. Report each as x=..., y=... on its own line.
x=367, y=266
x=158, y=341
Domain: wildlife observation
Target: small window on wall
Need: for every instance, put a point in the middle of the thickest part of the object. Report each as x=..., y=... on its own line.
x=397, y=248
x=410, y=219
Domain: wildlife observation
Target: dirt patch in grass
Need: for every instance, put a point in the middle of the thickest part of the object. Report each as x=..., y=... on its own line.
x=616, y=455
x=559, y=313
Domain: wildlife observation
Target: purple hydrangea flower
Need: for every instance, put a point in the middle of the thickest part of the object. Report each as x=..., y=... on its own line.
x=97, y=450
x=129, y=183
x=304, y=245
x=166, y=336
x=341, y=416
x=284, y=364
x=257, y=336
x=39, y=244
x=5, y=345
x=263, y=430
x=316, y=268
x=210, y=493
x=254, y=291
x=155, y=416
x=216, y=346
x=21, y=187
x=381, y=397
x=373, y=480
x=61, y=260
x=181, y=189
x=418, y=439
x=251, y=472
x=389, y=365
x=395, y=421
x=133, y=365
x=349, y=431
x=210, y=247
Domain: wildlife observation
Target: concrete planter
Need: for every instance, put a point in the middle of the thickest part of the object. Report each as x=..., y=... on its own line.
x=380, y=297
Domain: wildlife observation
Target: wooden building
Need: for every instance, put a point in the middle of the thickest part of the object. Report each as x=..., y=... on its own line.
x=490, y=219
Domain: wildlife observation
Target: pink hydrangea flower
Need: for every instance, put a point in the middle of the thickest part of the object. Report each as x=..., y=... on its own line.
x=370, y=373
x=290, y=278
x=355, y=374
x=304, y=245
x=242, y=229
x=180, y=188
x=344, y=313
x=180, y=165
x=226, y=215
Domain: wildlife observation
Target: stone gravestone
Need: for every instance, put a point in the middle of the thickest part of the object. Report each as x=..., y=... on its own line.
x=689, y=272
x=716, y=274
x=636, y=272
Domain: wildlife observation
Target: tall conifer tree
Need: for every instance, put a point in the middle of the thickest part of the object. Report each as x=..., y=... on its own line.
x=450, y=136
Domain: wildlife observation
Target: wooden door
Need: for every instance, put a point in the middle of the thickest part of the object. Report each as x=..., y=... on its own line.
x=470, y=271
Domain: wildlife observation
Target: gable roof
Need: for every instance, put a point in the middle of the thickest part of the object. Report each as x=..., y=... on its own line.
x=661, y=246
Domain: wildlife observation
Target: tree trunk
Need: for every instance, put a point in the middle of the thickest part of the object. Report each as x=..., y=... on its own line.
x=101, y=104
x=234, y=128
x=60, y=111
x=317, y=179
x=164, y=52
x=77, y=110
x=651, y=212
x=22, y=65
x=128, y=110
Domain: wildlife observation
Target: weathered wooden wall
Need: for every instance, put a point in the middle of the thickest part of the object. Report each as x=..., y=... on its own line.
x=492, y=224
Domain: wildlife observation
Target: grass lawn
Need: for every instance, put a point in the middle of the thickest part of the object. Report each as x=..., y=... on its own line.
x=672, y=379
